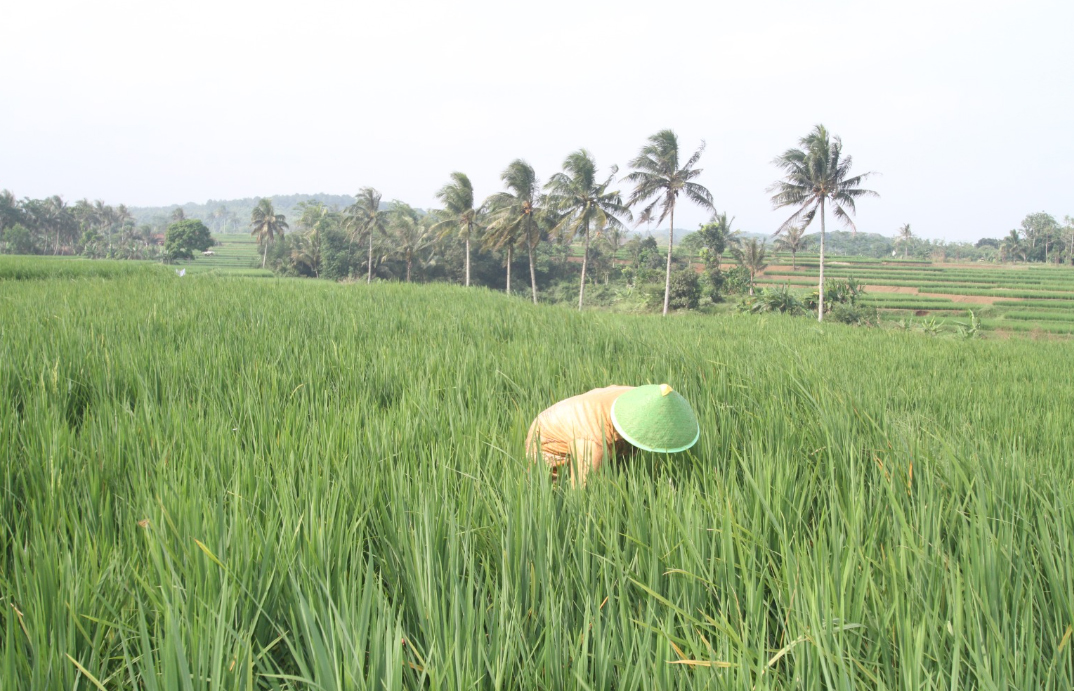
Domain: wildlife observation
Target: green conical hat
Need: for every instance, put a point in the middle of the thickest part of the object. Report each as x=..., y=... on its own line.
x=655, y=418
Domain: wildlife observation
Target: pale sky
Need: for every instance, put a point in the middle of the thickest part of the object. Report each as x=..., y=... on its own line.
x=965, y=108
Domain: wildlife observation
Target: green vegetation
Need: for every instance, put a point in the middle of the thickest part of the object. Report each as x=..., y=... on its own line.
x=658, y=181
x=186, y=237
x=232, y=216
x=266, y=225
x=211, y=482
x=582, y=203
x=817, y=174
x=64, y=268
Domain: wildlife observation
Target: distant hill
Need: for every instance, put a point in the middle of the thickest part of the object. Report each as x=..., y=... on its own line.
x=661, y=236
x=233, y=215
x=845, y=243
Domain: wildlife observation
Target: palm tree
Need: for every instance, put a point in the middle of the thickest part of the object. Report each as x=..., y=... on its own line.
x=266, y=224
x=410, y=233
x=750, y=256
x=364, y=218
x=903, y=237
x=518, y=216
x=584, y=201
x=503, y=236
x=1012, y=246
x=178, y=214
x=306, y=253
x=792, y=240
x=817, y=174
x=658, y=177
x=615, y=238
x=58, y=217
x=10, y=214
x=460, y=214
x=315, y=219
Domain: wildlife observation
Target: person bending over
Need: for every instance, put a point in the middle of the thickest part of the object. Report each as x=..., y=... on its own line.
x=583, y=430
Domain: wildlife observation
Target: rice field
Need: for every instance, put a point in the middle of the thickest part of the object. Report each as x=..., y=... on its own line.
x=1017, y=298
x=232, y=253
x=218, y=483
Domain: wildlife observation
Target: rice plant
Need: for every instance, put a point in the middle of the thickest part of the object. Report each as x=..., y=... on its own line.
x=220, y=483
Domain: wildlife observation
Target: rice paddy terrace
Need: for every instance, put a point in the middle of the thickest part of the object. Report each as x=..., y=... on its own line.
x=233, y=254
x=211, y=482
x=1014, y=298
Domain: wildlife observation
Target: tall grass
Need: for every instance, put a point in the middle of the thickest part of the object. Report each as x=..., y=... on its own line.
x=29, y=268
x=217, y=483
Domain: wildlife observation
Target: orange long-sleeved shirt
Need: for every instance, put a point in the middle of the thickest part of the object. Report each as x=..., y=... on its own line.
x=579, y=422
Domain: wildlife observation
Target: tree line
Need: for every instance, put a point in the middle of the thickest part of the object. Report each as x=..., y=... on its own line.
x=577, y=203
x=93, y=229
x=537, y=222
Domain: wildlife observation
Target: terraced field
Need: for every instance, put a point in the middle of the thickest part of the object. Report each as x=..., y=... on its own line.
x=233, y=253
x=1014, y=298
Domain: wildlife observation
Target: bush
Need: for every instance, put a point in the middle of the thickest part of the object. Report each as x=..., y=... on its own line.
x=836, y=292
x=685, y=290
x=17, y=240
x=736, y=281
x=776, y=299
x=857, y=315
x=714, y=282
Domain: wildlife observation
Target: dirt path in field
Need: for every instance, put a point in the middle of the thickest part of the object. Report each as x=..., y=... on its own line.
x=967, y=299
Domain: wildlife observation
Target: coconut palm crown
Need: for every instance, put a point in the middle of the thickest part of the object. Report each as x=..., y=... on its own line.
x=364, y=219
x=459, y=214
x=816, y=174
x=792, y=239
x=266, y=224
x=659, y=180
x=517, y=217
x=584, y=202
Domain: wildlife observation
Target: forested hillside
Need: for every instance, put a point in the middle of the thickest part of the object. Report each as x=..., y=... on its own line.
x=233, y=215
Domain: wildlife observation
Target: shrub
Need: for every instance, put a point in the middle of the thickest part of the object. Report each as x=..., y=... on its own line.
x=777, y=299
x=857, y=315
x=685, y=292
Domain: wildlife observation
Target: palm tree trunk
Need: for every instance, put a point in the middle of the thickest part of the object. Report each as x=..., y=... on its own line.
x=585, y=260
x=467, y=260
x=533, y=275
x=369, y=274
x=264, y=256
x=671, y=247
x=509, y=253
x=794, y=260
x=820, y=285
x=409, y=261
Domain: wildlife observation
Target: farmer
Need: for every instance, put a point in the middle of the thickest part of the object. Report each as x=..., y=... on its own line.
x=584, y=429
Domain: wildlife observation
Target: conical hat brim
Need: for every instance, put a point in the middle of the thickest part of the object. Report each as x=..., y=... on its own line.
x=654, y=422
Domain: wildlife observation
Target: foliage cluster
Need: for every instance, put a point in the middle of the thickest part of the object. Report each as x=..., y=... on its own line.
x=186, y=237
x=94, y=230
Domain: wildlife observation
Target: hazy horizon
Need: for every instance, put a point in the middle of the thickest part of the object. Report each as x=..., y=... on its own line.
x=963, y=109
